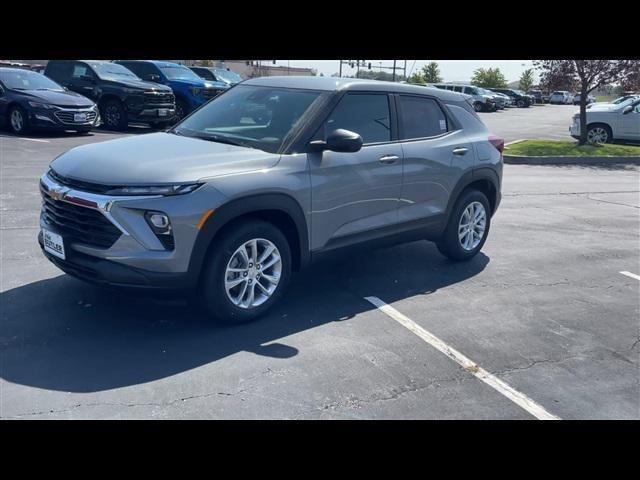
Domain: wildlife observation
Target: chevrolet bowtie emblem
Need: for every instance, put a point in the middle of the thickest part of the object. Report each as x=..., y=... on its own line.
x=58, y=192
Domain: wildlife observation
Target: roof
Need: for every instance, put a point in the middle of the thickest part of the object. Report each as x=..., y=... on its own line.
x=340, y=84
x=158, y=63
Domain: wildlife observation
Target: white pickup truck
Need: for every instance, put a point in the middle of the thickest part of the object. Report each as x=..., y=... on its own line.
x=608, y=122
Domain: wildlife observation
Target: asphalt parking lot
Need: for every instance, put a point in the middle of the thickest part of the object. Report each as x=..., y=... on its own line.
x=544, y=309
x=538, y=122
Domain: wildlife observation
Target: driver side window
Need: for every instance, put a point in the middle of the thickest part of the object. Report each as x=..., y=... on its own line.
x=365, y=114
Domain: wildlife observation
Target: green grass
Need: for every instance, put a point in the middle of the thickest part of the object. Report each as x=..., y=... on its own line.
x=605, y=98
x=553, y=148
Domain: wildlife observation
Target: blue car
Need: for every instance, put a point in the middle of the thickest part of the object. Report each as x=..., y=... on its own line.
x=218, y=74
x=190, y=90
x=29, y=100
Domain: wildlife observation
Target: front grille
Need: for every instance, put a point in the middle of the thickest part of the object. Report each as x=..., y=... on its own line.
x=84, y=225
x=67, y=116
x=158, y=98
x=78, y=184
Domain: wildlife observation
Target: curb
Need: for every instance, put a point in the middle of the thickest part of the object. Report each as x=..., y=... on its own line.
x=523, y=160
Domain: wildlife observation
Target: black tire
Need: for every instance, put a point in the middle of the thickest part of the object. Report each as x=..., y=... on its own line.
x=113, y=115
x=449, y=244
x=213, y=295
x=18, y=111
x=182, y=109
x=520, y=103
x=478, y=107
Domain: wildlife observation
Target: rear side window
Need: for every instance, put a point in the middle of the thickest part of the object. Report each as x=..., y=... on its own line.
x=365, y=114
x=204, y=73
x=80, y=70
x=457, y=89
x=421, y=117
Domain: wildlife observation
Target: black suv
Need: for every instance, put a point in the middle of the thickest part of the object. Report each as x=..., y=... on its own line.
x=520, y=98
x=121, y=96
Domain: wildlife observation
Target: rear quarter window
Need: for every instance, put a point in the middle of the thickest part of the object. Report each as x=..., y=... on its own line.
x=421, y=117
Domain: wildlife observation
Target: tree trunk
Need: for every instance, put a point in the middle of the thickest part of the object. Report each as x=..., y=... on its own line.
x=583, y=115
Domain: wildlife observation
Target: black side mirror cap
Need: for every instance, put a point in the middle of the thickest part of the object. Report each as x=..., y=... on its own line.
x=627, y=109
x=340, y=140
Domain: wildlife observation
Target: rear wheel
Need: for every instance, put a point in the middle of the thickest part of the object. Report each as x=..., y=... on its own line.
x=468, y=227
x=246, y=273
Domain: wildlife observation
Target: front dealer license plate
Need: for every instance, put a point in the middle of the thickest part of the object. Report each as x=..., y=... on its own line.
x=53, y=243
x=80, y=117
x=163, y=112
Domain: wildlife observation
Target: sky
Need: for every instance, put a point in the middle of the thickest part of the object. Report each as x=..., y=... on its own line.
x=451, y=70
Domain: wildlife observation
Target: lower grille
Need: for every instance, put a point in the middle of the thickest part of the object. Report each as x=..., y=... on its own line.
x=68, y=117
x=81, y=224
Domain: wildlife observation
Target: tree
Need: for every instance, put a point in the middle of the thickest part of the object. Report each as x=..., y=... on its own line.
x=631, y=81
x=587, y=75
x=206, y=63
x=489, y=78
x=526, y=80
x=431, y=73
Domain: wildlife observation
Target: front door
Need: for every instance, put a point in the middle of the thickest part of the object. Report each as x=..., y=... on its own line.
x=356, y=192
x=630, y=123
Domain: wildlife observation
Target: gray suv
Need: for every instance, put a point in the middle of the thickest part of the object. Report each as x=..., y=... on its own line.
x=264, y=179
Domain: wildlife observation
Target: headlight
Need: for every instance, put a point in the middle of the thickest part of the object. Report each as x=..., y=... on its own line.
x=195, y=90
x=179, y=189
x=40, y=105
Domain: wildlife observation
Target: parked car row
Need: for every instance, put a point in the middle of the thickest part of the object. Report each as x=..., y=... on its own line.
x=115, y=93
x=489, y=99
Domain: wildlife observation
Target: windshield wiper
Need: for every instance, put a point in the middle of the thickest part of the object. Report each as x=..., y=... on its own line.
x=219, y=139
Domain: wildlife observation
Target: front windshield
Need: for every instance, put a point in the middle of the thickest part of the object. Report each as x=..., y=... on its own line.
x=27, y=80
x=179, y=72
x=627, y=99
x=250, y=116
x=227, y=75
x=113, y=71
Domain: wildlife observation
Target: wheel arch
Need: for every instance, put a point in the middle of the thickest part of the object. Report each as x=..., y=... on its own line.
x=280, y=209
x=485, y=180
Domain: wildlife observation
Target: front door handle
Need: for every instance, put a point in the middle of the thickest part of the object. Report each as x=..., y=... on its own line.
x=389, y=159
x=460, y=151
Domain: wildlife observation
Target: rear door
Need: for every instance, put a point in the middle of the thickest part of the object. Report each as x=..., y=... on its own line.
x=356, y=192
x=436, y=153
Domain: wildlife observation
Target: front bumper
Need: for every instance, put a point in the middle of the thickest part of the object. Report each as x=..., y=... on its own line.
x=153, y=114
x=108, y=273
x=134, y=255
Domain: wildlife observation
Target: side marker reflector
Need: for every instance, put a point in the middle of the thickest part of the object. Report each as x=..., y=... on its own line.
x=204, y=218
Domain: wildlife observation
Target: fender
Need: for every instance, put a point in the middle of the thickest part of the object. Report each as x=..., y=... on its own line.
x=243, y=206
x=482, y=173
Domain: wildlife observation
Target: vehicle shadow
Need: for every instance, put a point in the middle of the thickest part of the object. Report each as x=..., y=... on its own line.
x=62, y=334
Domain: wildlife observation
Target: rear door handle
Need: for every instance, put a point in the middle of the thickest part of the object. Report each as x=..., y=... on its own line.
x=389, y=159
x=460, y=151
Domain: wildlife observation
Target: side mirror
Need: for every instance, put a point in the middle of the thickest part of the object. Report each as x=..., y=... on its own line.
x=340, y=140
x=627, y=109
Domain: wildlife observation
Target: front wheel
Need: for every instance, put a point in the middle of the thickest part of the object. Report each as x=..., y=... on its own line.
x=477, y=106
x=114, y=116
x=599, y=133
x=520, y=103
x=246, y=273
x=467, y=228
x=182, y=109
x=18, y=121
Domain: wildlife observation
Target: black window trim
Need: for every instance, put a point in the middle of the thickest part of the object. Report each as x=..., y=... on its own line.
x=452, y=125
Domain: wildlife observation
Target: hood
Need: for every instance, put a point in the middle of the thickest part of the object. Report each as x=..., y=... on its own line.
x=603, y=107
x=158, y=158
x=58, y=97
x=141, y=84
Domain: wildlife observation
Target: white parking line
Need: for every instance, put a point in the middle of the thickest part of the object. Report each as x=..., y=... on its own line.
x=632, y=275
x=470, y=366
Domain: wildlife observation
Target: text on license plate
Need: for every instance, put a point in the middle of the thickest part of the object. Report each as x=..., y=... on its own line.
x=53, y=243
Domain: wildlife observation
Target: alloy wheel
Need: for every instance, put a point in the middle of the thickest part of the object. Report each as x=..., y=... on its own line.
x=17, y=120
x=112, y=116
x=472, y=225
x=253, y=273
x=597, y=135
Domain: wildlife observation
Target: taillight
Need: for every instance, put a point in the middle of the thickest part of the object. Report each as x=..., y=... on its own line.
x=497, y=142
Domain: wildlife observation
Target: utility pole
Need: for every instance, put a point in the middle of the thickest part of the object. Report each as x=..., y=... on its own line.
x=393, y=78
